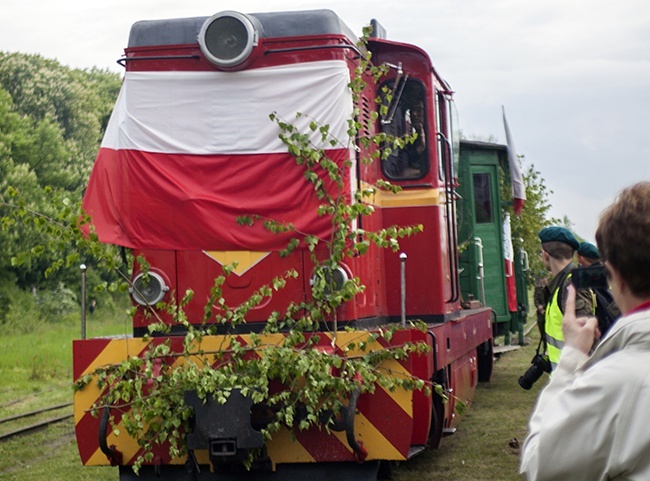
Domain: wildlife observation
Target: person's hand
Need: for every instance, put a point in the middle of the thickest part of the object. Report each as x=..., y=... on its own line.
x=419, y=142
x=579, y=332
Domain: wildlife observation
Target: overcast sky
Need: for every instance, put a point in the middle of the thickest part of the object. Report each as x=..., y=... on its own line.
x=573, y=75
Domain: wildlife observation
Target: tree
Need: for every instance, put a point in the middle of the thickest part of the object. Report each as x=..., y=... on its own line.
x=79, y=101
x=52, y=119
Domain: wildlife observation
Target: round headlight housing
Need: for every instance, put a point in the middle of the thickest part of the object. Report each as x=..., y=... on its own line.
x=227, y=38
x=333, y=279
x=148, y=289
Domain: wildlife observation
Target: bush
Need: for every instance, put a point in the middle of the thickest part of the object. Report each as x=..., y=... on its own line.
x=21, y=314
x=57, y=304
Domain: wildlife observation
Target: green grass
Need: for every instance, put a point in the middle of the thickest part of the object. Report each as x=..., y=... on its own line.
x=41, y=361
x=50, y=454
x=36, y=370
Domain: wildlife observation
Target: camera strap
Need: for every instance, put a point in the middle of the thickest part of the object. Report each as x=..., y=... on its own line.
x=542, y=343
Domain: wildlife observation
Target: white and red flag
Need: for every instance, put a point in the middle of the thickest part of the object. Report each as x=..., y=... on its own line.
x=509, y=259
x=516, y=178
x=187, y=152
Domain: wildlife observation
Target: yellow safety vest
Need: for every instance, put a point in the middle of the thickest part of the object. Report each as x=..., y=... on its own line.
x=553, y=327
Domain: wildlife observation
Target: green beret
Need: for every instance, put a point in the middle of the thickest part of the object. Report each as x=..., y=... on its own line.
x=589, y=251
x=558, y=234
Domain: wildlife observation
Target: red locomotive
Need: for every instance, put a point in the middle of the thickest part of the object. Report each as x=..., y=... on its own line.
x=190, y=149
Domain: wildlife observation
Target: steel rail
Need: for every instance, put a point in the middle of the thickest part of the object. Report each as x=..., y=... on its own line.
x=33, y=413
x=35, y=426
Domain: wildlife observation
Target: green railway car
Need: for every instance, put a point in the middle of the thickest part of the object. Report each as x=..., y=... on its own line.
x=493, y=273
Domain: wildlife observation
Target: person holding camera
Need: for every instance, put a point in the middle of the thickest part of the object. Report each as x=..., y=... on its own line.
x=591, y=420
x=588, y=255
x=607, y=311
x=558, y=248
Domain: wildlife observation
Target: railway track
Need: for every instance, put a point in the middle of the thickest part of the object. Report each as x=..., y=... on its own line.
x=34, y=426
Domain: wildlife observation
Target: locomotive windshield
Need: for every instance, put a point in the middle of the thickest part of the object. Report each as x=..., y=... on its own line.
x=408, y=120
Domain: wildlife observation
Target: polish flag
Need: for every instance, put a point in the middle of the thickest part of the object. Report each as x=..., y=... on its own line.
x=509, y=260
x=516, y=179
x=186, y=153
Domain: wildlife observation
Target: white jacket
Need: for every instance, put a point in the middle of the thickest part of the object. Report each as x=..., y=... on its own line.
x=592, y=421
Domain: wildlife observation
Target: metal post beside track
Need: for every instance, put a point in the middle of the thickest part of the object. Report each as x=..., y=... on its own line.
x=83, y=300
x=402, y=258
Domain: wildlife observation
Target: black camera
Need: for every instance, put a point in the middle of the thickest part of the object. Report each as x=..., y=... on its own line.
x=592, y=277
x=595, y=278
x=540, y=365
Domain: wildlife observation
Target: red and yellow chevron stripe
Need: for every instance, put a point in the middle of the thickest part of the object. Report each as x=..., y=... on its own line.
x=383, y=422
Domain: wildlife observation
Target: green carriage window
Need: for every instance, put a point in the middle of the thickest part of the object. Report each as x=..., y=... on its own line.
x=483, y=198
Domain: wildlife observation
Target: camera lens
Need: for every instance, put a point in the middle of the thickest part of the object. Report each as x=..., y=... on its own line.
x=539, y=366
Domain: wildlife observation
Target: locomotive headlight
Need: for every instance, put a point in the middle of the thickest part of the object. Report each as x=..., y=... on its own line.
x=228, y=38
x=334, y=279
x=148, y=289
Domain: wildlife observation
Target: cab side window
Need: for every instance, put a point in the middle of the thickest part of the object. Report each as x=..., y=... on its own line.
x=406, y=118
